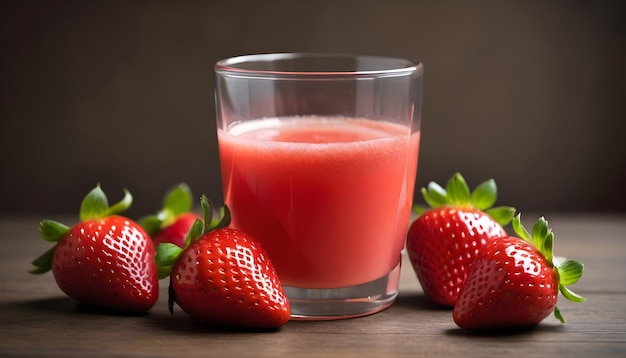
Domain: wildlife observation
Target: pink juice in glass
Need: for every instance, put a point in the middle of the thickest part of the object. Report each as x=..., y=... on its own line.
x=329, y=198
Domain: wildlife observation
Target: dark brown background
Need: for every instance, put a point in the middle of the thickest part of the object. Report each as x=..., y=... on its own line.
x=531, y=93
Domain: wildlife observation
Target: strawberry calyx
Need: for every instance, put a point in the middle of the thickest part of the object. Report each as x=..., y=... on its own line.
x=457, y=193
x=95, y=205
x=569, y=271
x=178, y=200
x=167, y=253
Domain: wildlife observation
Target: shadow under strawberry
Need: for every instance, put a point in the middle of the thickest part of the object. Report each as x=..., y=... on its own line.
x=183, y=324
x=66, y=305
x=506, y=332
x=418, y=301
x=52, y=304
x=98, y=310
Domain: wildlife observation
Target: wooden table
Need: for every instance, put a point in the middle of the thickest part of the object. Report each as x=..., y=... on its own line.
x=36, y=319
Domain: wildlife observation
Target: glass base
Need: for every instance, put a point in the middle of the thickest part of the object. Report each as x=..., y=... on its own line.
x=318, y=304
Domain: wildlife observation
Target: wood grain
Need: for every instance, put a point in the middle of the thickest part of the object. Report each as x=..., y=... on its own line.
x=36, y=319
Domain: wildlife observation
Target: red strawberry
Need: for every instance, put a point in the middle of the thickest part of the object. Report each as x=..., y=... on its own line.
x=176, y=232
x=223, y=277
x=514, y=282
x=172, y=223
x=443, y=241
x=105, y=260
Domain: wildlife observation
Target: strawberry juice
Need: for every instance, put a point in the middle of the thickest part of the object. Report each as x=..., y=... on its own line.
x=328, y=198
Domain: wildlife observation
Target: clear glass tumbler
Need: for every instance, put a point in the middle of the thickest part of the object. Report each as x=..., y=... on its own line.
x=318, y=156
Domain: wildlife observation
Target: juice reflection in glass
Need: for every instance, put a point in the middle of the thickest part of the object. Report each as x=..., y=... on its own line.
x=319, y=157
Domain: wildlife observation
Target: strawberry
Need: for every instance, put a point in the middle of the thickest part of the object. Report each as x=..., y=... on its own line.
x=105, y=260
x=443, y=241
x=172, y=223
x=514, y=281
x=223, y=276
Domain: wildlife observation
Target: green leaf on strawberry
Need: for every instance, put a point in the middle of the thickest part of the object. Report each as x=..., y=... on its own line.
x=569, y=271
x=457, y=193
x=435, y=196
x=178, y=200
x=52, y=231
x=458, y=190
x=484, y=195
x=167, y=253
x=43, y=263
x=95, y=205
x=196, y=230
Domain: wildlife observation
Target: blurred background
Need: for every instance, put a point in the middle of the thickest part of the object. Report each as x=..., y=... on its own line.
x=530, y=93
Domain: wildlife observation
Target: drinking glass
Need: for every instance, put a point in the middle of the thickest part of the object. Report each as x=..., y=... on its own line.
x=318, y=156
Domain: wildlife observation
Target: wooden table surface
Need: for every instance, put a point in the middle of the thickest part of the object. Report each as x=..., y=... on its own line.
x=37, y=320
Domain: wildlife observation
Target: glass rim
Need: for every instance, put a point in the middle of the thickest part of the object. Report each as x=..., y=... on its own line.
x=233, y=65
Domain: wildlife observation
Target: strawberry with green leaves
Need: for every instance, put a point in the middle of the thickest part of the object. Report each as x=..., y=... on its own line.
x=515, y=281
x=223, y=276
x=174, y=220
x=443, y=241
x=105, y=260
